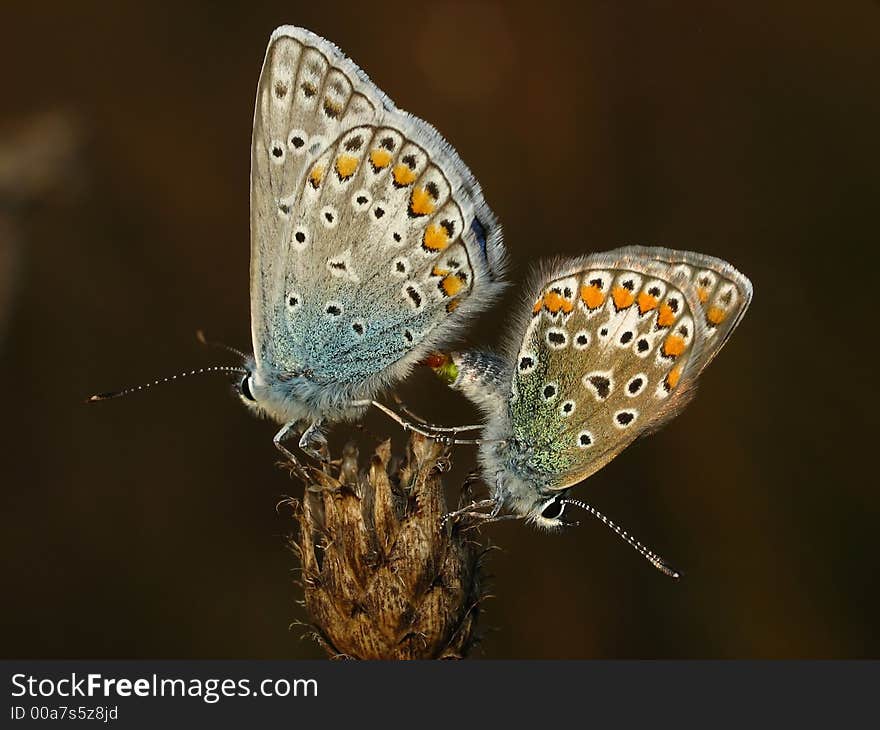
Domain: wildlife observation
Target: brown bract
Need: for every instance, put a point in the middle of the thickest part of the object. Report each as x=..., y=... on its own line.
x=382, y=578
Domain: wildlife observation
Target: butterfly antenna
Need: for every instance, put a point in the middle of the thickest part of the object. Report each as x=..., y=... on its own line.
x=200, y=371
x=200, y=336
x=647, y=554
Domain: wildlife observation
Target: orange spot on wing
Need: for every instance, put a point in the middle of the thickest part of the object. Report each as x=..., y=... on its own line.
x=437, y=271
x=380, y=158
x=420, y=202
x=435, y=238
x=555, y=302
x=623, y=297
x=346, y=165
x=673, y=346
x=403, y=175
x=539, y=305
x=702, y=293
x=451, y=285
x=647, y=302
x=715, y=315
x=673, y=377
x=666, y=316
x=453, y=305
x=316, y=175
x=592, y=296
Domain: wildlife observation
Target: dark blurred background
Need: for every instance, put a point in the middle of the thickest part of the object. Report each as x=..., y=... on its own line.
x=147, y=527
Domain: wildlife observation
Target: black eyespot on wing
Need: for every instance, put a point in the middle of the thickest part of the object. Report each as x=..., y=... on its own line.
x=549, y=391
x=642, y=345
x=354, y=144
x=629, y=285
x=634, y=385
x=624, y=418
x=358, y=328
x=300, y=237
x=654, y=291
x=602, y=385
x=379, y=212
x=626, y=337
x=409, y=161
x=245, y=388
x=277, y=151
x=414, y=295
x=396, y=236
x=297, y=141
x=361, y=199
x=333, y=310
x=557, y=338
x=525, y=363
x=387, y=143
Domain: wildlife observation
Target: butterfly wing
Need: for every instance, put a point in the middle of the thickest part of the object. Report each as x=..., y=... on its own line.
x=612, y=349
x=723, y=292
x=370, y=238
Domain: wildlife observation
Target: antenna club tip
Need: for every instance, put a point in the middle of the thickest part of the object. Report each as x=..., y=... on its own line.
x=98, y=397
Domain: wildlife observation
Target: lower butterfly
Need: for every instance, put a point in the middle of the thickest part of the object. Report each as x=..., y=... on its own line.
x=607, y=348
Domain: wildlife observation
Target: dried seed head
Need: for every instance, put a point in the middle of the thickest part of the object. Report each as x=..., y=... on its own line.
x=382, y=579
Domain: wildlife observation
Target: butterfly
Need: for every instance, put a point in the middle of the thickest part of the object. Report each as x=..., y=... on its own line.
x=607, y=348
x=371, y=242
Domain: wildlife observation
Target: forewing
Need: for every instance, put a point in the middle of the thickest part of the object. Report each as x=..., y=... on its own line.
x=369, y=247
x=723, y=292
x=307, y=94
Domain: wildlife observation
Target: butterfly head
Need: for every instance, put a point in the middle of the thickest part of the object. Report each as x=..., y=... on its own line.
x=248, y=389
x=278, y=398
x=549, y=513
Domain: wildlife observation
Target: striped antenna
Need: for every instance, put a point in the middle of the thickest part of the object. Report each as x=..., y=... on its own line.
x=647, y=554
x=201, y=371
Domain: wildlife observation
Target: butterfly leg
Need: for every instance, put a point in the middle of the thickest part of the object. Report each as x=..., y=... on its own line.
x=313, y=443
x=418, y=420
x=283, y=433
x=442, y=434
x=472, y=510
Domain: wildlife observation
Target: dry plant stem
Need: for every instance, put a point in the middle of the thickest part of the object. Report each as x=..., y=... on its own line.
x=382, y=578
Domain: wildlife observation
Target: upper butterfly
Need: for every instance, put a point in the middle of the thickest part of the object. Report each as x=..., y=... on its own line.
x=608, y=349
x=370, y=239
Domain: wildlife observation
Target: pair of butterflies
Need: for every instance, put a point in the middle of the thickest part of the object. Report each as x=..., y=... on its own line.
x=372, y=246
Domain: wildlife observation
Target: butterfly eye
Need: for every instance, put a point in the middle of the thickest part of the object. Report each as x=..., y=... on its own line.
x=245, y=388
x=553, y=510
